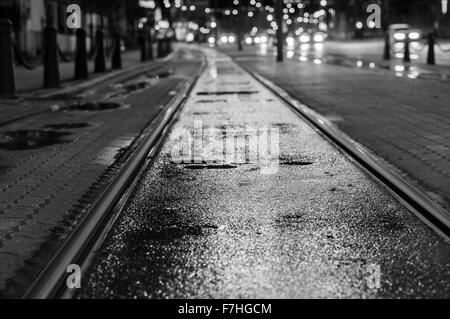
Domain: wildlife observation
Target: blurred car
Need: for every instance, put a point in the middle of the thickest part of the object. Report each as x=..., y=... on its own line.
x=306, y=38
x=312, y=37
x=227, y=38
x=256, y=39
x=400, y=32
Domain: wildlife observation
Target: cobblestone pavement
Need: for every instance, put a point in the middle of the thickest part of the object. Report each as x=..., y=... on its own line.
x=52, y=165
x=33, y=79
x=404, y=121
x=30, y=103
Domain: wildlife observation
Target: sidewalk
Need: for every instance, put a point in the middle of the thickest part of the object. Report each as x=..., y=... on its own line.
x=405, y=122
x=54, y=165
x=33, y=79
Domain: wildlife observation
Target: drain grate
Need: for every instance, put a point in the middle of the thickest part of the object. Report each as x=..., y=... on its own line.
x=209, y=166
x=30, y=139
x=212, y=101
x=227, y=93
x=296, y=163
x=295, y=160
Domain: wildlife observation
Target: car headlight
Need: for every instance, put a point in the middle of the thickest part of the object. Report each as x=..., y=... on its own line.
x=211, y=40
x=263, y=39
x=305, y=38
x=290, y=41
x=231, y=39
x=248, y=40
x=319, y=38
x=414, y=35
x=399, y=36
x=224, y=39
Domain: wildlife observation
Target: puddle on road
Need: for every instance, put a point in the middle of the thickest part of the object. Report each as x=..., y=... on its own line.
x=140, y=84
x=66, y=126
x=161, y=74
x=97, y=106
x=30, y=139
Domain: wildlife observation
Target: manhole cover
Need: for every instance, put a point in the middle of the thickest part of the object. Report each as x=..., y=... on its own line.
x=30, y=140
x=95, y=106
x=227, y=93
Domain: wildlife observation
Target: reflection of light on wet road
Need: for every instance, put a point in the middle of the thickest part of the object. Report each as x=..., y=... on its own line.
x=318, y=46
x=305, y=47
x=263, y=49
x=316, y=53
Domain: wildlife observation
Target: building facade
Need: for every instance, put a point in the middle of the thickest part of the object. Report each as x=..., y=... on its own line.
x=29, y=18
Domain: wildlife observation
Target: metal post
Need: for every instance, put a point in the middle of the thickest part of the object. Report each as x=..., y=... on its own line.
x=51, y=58
x=387, y=47
x=100, y=60
x=280, y=38
x=7, y=78
x=431, y=59
x=116, y=62
x=407, y=55
x=81, y=58
x=151, y=55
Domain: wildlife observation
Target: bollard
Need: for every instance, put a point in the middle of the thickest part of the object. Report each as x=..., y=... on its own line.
x=81, y=58
x=7, y=78
x=116, y=62
x=100, y=59
x=151, y=55
x=168, y=46
x=160, y=48
x=387, y=47
x=407, y=55
x=51, y=58
x=431, y=59
x=143, y=45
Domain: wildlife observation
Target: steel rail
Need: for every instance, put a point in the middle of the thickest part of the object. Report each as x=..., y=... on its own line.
x=81, y=245
x=416, y=200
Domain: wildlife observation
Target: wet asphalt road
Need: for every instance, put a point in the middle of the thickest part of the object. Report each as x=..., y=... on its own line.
x=305, y=224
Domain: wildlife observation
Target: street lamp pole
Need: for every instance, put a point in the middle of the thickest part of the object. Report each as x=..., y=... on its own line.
x=280, y=38
x=387, y=40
